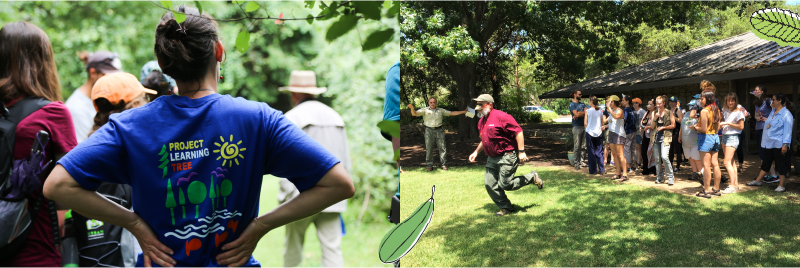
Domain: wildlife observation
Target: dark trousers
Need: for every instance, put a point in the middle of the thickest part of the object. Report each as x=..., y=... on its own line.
x=739, y=150
x=645, y=163
x=675, y=148
x=759, y=132
x=782, y=161
x=594, y=145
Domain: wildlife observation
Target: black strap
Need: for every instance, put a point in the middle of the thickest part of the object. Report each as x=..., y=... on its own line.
x=25, y=107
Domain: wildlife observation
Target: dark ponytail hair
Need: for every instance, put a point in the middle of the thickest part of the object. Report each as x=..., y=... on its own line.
x=760, y=100
x=711, y=100
x=186, y=50
x=783, y=100
x=593, y=101
x=158, y=82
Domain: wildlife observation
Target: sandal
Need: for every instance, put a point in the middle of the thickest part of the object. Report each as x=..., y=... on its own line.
x=703, y=194
x=715, y=192
x=623, y=178
x=616, y=177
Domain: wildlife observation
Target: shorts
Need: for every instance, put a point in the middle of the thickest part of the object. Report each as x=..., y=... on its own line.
x=691, y=152
x=614, y=138
x=708, y=142
x=731, y=140
x=638, y=139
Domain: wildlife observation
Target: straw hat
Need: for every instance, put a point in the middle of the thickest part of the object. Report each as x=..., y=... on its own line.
x=303, y=82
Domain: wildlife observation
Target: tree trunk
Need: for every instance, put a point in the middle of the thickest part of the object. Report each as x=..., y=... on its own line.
x=466, y=80
x=496, y=89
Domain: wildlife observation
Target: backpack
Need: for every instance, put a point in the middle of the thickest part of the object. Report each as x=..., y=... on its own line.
x=630, y=121
x=20, y=178
x=99, y=243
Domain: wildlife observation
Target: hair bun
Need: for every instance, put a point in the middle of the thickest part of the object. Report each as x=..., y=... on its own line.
x=174, y=30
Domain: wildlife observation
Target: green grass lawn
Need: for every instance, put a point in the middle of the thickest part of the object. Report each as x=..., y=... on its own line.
x=359, y=245
x=578, y=220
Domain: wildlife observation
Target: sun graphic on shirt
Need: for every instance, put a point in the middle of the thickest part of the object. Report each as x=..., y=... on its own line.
x=229, y=151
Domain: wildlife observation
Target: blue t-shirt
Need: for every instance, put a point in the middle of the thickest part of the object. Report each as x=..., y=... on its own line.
x=391, y=104
x=579, y=106
x=196, y=166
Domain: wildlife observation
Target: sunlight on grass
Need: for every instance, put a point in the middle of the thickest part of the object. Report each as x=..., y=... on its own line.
x=580, y=220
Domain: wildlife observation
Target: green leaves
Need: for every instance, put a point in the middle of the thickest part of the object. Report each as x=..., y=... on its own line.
x=370, y=9
x=391, y=127
x=199, y=7
x=167, y=4
x=402, y=238
x=243, y=41
x=310, y=19
x=309, y=4
x=179, y=17
x=251, y=6
x=377, y=39
x=341, y=27
x=775, y=24
x=394, y=10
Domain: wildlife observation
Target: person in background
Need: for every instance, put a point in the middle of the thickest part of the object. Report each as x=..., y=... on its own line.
x=576, y=109
x=732, y=126
x=675, y=147
x=391, y=107
x=153, y=78
x=662, y=124
x=28, y=70
x=593, y=120
x=325, y=126
x=434, y=134
x=80, y=103
x=606, y=147
x=640, y=113
x=616, y=137
x=776, y=141
x=629, y=148
x=502, y=140
x=763, y=108
x=648, y=166
x=708, y=141
x=688, y=139
x=207, y=170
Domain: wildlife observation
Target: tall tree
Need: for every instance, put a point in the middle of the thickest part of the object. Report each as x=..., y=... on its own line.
x=459, y=36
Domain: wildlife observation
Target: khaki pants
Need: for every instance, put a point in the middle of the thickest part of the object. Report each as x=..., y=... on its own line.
x=499, y=177
x=329, y=232
x=435, y=137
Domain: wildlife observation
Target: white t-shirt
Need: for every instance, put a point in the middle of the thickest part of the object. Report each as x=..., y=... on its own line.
x=616, y=125
x=731, y=117
x=82, y=110
x=595, y=120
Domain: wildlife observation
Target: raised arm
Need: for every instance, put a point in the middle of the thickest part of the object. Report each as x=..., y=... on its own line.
x=413, y=111
x=458, y=112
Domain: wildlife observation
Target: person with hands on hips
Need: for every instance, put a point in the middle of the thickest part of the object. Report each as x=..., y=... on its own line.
x=504, y=143
x=434, y=134
x=776, y=140
x=196, y=187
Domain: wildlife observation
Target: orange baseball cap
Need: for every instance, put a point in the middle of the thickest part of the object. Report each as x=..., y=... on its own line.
x=118, y=87
x=637, y=100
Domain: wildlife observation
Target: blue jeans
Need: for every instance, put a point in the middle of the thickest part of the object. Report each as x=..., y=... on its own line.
x=708, y=143
x=660, y=153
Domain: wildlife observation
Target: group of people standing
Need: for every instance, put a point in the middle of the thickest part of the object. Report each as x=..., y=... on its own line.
x=214, y=148
x=648, y=138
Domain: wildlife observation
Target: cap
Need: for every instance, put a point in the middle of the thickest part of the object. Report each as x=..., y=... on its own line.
x=117, y=87
x=696, y=96
x=612, y=98
x=104, y=61
x=692, y=102
x=673, y=98
x=484, y=97
x=637, y=100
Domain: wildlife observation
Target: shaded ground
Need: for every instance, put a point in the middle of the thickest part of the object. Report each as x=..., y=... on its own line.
x=546, y=153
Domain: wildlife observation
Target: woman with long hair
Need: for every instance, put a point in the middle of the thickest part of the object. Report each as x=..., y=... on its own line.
x=708, y=141
x=593, y=121
x=776, y=141
x=646, y=147
x=763, y=108
x=661, y=138
x=731, y=128
x=28, y=74
x=196, y=184
x=616, y=137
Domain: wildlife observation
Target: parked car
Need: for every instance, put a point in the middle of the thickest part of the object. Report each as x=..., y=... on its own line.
x=531, y=109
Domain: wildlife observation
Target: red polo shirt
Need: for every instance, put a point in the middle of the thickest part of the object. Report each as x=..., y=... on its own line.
x=498, y=132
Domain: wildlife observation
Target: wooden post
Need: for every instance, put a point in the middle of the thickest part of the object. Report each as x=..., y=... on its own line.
x=748, y=104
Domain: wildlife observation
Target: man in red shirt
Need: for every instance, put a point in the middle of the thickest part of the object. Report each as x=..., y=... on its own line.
x=501, y=139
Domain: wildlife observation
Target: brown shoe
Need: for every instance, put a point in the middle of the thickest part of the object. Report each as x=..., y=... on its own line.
x=430, y=168
x=503, y=212
x=536, y=180
x=444, y=167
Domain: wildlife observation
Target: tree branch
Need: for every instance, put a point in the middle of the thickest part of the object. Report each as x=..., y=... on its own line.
x=247, y=17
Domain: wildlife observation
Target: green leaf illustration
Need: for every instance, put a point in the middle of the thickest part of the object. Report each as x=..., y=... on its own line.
x=391, y=127
x=179, y=17
x=243, y=41
x=163, y=158
x=163, y=165
x=370, y=9
x=377, y=39
x=170, y=197
x=165, y=173
x=775, y=24
x=402, y=238
x=396, y=155
x=251, y=6
x=199, y=7
x=163, y=149
x=167, y=4
x=341, y=27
